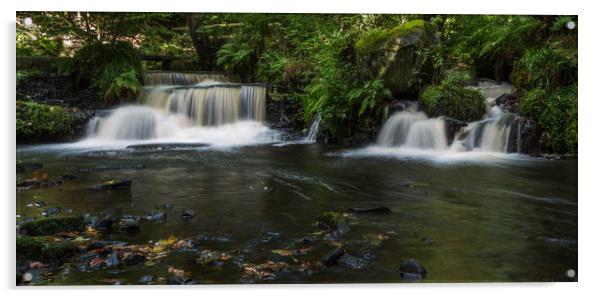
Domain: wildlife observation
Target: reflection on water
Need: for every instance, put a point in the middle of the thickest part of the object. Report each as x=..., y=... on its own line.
x=465, y=217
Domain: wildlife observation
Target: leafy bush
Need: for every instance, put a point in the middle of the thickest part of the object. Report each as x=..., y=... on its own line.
x=39, y=122
x=556, y=112
x=546, y=67
x=113, y=68
x=452, y=99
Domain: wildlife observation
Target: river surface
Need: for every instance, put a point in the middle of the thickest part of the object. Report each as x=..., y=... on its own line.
x=466, y=218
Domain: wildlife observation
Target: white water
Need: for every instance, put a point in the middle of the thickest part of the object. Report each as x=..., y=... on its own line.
x=412, y=134
x=210, y=112
x=153, y=78
x=313, y=129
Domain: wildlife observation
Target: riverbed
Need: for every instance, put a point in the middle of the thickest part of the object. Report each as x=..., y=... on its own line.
x=466, y=218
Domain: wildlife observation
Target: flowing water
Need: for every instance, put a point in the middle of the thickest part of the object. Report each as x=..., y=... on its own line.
x=470, y=216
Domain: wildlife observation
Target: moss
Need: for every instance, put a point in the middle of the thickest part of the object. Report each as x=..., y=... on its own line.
x=50, y=226
x=39, y=122
x=453, y=100
x=331, y=220
x=41, y=249
x=376, y=39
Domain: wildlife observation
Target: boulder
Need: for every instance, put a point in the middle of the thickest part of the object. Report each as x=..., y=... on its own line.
x=50, y=226
x=392, y=56
x=452, y=127
x=412, y=270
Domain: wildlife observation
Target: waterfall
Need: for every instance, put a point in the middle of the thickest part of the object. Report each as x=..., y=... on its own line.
x=413, y=130
x=209, y=111
x=186, y=78
x=498, y=131
x=313, y=129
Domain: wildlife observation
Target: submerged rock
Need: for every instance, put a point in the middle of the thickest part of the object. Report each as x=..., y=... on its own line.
x=412, y=270
x=353, y=262
x=112, y=184
x=104, y=223
x=332, y=257
x=41, y=249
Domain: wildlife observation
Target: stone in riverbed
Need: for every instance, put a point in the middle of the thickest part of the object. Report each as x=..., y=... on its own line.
x=332, y=257
x=187, y=213
x=179, y=280
x=156, y=216
x=353, y=262
x=146, y=279
x=412, y=270
x=104, y=223
x=133, y=259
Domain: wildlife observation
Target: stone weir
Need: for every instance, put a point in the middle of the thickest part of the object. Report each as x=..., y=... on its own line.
x=186, y=78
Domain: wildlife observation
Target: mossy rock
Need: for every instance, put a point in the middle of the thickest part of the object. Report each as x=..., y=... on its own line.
x=331, y=220
x=51, y=226
x=392, y=56
x=43, y=250
x=454, y=100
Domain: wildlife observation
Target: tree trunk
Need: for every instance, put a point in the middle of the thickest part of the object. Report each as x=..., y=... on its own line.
x=206, y=55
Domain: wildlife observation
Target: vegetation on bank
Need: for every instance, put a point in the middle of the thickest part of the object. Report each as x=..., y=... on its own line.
x=39, y=122
x=340, y=66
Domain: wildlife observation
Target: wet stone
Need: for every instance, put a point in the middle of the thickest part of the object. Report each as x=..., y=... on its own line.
x=187, y=213
x=179, y=280
x=381, y=209
x=51, y=211
x=146, y=279
x=332, y=257
x=133, y=259
x=353, y=262
x=412, y=270
x=156, y=216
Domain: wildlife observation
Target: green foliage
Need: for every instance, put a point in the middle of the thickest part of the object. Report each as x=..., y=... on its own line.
x=546, y=67
x=556, y=112
x=112, y=68
x=51, y=226
x=377, y=38
x=39, y=122
x=453, y=99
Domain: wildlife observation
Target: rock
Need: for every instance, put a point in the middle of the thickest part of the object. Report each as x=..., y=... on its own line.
x=381, y=209
x=105, y=223
x=412, y=270
x=167, y=206
x=51, y=211
x=331, y=220
x=89, y=256
x=392, y=56
x=133, y=259
x=508, y=102
x=50, y=226
x=156, y=216
x=146, y=279
x=187, y=213
x=179, y=280
x=40, y=249
x=40, y=204
x=112, y=184
x=353, y=262
x=332, y=257
x=452, y=127
x=207, y=257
